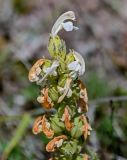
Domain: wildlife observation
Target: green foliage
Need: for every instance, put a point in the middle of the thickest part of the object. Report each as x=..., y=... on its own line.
x=45, y=140
x=21, y=6
x=19, y=70
x=123, y=124
x=4, y=54
x=18, y=154
x=30, y=92
x=96, y=87
x=19, y=133
x=118, y=91
x=105, y=131
x=92, y=154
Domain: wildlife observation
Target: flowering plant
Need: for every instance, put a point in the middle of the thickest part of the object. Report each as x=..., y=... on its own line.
x=68, y=128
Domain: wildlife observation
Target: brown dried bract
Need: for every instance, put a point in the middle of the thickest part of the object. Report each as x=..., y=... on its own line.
x=37, y=127
x=35, y=71
x=85, y=157
x=83, y=100
x=46, y=128
x=41, y=124
x=66, y=118
x=86, y=128
x=45, y=100
x=55, y=143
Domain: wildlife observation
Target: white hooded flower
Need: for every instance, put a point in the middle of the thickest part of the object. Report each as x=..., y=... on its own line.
x=62, y=90
x=50, y=70
x=77, y=66
x=60, y=24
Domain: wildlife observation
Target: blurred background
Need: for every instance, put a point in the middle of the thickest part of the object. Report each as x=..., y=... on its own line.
x=101, y=39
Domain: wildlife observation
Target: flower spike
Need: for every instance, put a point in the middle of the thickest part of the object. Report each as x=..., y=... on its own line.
x=63, y=93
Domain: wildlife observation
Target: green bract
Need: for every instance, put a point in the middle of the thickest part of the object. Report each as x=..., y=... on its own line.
x=69, y=148
x=53, y=93
x=76, y=131
x=57, y=125
x=57, y=47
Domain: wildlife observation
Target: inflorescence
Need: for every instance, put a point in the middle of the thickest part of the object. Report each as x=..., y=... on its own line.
x=61, y=89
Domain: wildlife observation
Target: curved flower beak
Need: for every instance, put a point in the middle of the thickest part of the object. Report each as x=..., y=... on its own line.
x=55, y=143
x=66, y=118
x=42, y=125
x=34, y=72
x=83, y=99
x=77, y=66
x=60, y=24
x=45, y=100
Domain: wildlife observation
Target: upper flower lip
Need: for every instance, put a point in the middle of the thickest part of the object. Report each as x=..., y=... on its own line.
x=59, y=24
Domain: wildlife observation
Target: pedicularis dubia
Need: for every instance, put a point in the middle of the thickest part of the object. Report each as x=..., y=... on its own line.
x=61, y=90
